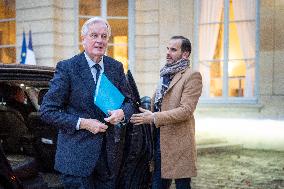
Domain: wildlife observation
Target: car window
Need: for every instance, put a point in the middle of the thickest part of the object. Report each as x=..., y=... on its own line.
x=30, y=93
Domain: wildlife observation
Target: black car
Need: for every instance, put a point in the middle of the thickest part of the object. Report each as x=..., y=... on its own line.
x=28, y=145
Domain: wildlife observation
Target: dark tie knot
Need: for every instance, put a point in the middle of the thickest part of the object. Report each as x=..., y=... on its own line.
x=98, y=67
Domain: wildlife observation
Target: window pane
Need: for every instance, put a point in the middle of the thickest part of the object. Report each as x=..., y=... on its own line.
x=236, y=86
x=244, y=36
x=235, y=51
x=237, y=68
x=216, y=78
x=211, y=11
x=242, y=32
x=119, y=27
x=7, y=33
x=8, y=55
x=119, y=52
x=243, y=10
x=237, y=72
x=212, y=76
x=7, y=9
x=90, y=7
x=211, y=39
x=117, y=8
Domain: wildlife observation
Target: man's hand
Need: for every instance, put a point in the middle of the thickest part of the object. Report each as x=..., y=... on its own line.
x=93, y=125
x=146, y=117
x=116, y=116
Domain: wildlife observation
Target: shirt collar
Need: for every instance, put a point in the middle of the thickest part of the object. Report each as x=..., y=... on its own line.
x=91, y=63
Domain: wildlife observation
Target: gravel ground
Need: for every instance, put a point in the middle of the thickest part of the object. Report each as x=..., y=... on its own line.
x=240, y=168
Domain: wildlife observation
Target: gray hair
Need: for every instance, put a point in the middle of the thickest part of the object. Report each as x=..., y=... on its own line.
x=93, y=20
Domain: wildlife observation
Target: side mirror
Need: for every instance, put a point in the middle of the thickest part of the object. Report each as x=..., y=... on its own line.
x=41, y=94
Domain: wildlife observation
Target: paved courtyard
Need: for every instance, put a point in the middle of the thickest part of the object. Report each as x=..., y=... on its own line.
x=240, y=168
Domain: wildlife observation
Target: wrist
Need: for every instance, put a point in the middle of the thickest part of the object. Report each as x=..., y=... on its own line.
x=153, y=121
x=82, y=124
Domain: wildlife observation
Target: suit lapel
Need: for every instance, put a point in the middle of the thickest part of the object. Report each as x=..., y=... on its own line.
x=107, y=68
x=176, y=78
x=86, y=74
x=110, y=71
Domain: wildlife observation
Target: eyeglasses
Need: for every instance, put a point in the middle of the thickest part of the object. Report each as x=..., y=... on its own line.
x=95, y=36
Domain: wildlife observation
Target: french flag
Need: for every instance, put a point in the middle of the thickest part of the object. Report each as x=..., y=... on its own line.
x=30, y=56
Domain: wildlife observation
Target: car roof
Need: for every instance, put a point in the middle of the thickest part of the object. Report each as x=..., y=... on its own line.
x=29, y=74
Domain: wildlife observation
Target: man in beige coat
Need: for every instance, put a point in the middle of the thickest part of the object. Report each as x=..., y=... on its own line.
x=173, y=105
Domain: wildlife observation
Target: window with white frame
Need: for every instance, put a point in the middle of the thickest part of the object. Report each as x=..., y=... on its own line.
x=116, y=12
x=7, y=31
x=226, y=49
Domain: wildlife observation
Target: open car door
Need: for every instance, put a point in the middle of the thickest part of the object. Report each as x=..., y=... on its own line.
x=135, y=170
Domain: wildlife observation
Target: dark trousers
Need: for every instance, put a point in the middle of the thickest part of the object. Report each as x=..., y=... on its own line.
x=158, y=182
x=101, y=178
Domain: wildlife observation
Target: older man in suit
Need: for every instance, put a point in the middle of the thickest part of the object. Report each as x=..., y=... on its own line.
x=173, y=105
x=85, y=143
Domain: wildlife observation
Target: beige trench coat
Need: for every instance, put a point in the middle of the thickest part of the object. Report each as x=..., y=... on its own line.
x=177, y=125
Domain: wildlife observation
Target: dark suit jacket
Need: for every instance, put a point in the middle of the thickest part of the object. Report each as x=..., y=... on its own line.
x=71, y=96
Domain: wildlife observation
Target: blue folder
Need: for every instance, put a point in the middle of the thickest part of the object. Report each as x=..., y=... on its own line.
x=107, y=96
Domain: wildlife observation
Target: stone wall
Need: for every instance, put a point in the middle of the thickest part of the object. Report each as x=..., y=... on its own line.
x=147, y=46
x=271, y=77
x=52, y=25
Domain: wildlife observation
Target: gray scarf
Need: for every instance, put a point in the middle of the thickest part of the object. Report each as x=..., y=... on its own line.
x=166, y=75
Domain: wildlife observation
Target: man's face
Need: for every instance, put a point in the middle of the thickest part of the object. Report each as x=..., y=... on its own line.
x=174, y=52
x=95, y=42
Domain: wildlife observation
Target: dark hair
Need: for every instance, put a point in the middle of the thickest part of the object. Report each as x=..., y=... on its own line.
x=185, y=43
